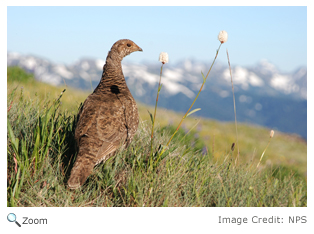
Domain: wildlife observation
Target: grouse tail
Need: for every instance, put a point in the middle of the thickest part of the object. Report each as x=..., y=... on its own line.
x=82, y=168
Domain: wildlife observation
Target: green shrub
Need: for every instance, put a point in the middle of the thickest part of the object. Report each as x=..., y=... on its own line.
x=19, y=75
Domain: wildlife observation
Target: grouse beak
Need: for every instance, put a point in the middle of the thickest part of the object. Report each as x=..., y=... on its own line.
x=139, y=48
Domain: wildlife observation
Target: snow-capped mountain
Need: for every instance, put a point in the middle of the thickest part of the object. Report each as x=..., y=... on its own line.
x=264, y=95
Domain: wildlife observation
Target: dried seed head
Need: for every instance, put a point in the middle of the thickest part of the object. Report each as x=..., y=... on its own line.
x=163, y=57
x=232, y=146
x=272, y=132
x=223, y=36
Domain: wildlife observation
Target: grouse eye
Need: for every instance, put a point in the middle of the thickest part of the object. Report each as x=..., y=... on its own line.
x=129, y=45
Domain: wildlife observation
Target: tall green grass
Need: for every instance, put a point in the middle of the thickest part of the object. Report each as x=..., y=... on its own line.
x=41, y=151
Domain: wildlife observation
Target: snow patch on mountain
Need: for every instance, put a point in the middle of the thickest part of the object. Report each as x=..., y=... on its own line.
x=84, y=75
x=302, y=72
x=174, y=75
x=137, y=74
x=85, y=65
x=29, y=63
x=255, y=81
x=187, y=65
x=63, y=71
x=100, y=64
x=13, y=55
x=284, y=83
x=52, y=79
x=243, y=77
x=39, y=71
x=266, y=67
x=184, y=77
x=175, y=88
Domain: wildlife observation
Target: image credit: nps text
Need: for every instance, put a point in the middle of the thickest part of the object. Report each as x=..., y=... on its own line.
x=261, y=220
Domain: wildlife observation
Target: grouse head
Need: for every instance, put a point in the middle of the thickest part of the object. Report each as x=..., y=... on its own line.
x=122, y=48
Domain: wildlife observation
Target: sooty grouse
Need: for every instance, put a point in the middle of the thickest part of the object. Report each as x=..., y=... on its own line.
x=108, y=117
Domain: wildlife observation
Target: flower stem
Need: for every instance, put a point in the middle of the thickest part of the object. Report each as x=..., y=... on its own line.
x=204, y=80
x=234, y=105
x=263, y=152
x=154, y=118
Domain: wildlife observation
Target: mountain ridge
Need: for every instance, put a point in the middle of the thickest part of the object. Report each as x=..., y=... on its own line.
x=264, y=95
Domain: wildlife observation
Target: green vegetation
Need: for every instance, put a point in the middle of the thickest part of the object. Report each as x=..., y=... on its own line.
x=198, y=169
x=42, y=91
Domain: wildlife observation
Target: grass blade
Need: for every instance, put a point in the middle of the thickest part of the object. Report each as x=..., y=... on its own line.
x=193, y=111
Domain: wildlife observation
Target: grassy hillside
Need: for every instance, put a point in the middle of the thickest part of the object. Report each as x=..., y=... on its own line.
x=26, y=84
x=198, y=169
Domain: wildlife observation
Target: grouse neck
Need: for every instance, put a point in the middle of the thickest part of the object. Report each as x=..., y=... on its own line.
x=114, y=58
x=112, y=76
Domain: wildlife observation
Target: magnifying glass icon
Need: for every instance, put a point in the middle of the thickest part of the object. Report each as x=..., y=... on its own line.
x=12, y=218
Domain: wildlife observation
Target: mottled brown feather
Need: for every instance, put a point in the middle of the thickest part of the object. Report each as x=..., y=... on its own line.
x=107, y=119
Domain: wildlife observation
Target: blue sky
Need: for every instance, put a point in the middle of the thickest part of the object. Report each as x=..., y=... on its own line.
x=66, y=34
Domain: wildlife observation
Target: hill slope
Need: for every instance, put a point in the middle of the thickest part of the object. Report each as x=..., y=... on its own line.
x=216, y=136
x=197, y=170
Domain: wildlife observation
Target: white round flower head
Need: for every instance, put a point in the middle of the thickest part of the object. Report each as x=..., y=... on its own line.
x=223, y=36
x=271, y=134
x=163, y=57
